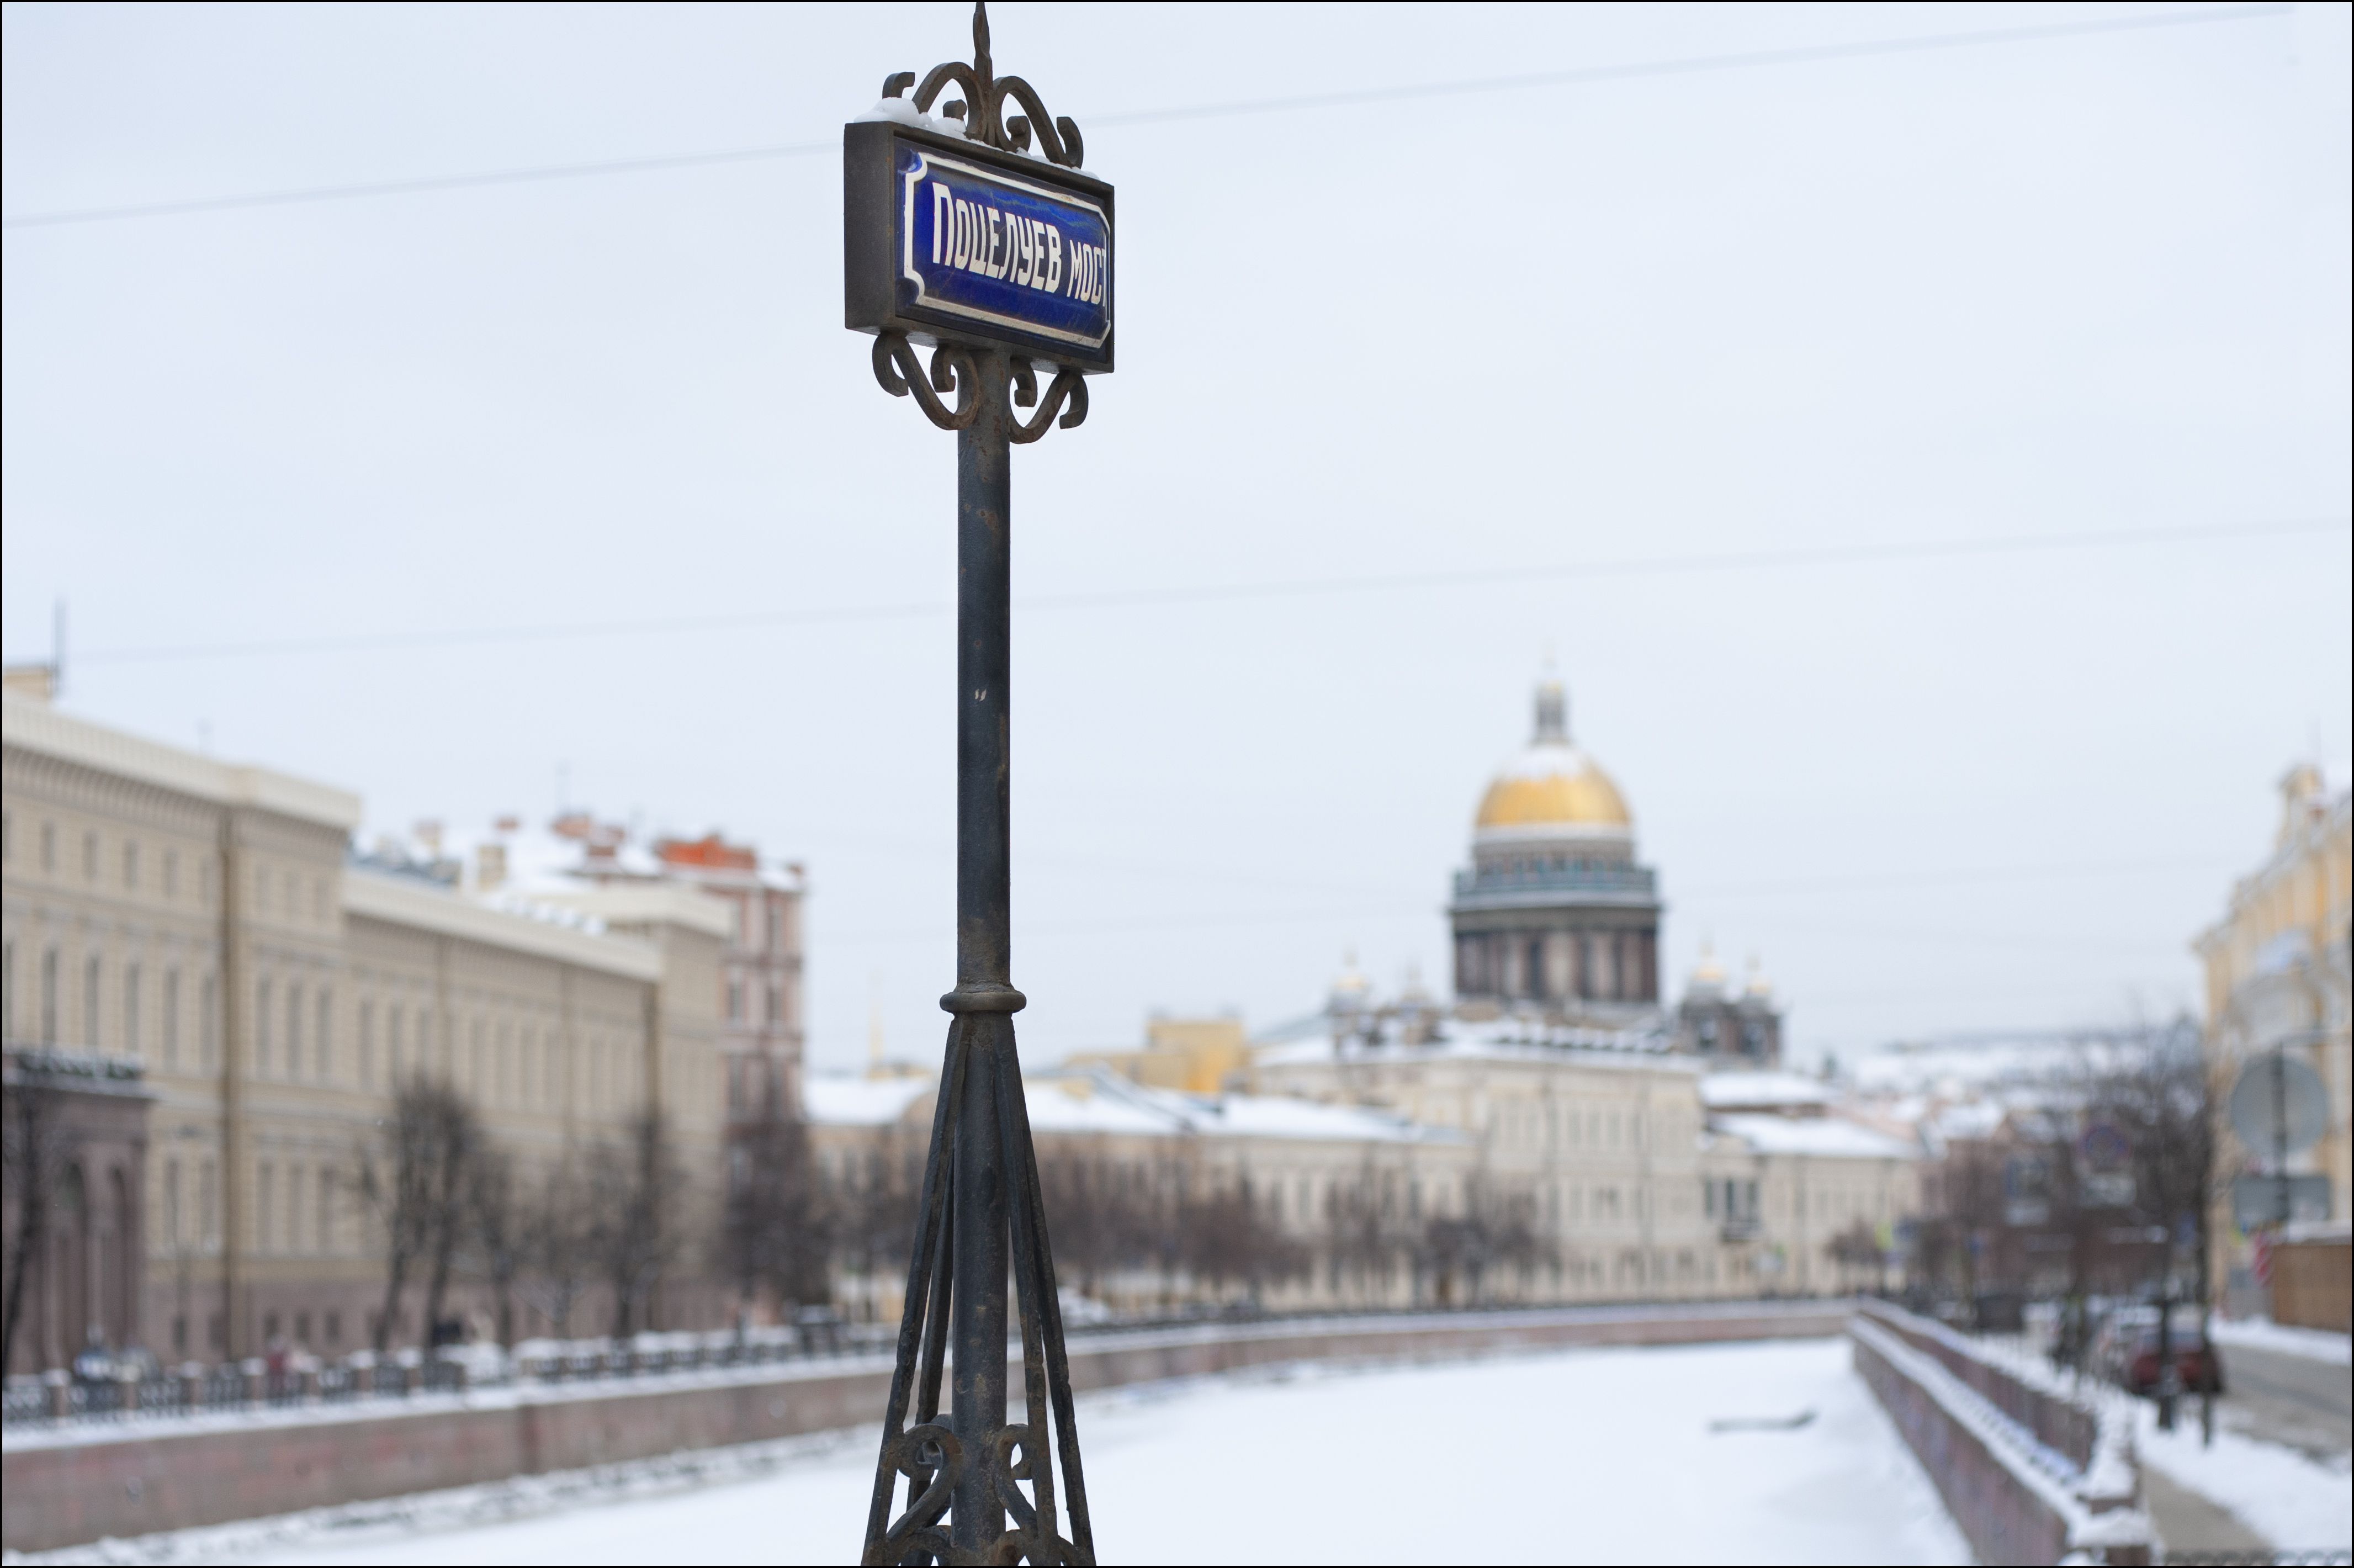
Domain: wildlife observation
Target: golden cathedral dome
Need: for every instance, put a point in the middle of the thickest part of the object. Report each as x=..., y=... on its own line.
x=1553, y=788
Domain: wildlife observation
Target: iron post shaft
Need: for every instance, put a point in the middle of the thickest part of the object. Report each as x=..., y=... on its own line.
x=984, y=997
x=984, y=582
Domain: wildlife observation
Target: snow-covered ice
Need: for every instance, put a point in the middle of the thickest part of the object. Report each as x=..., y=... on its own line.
x=1602, y=1456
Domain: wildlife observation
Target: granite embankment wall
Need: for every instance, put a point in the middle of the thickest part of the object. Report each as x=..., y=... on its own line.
x=67, y=1486
x=2031, y=1471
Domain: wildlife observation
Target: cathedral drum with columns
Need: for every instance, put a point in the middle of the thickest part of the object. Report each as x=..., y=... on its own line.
x=1555, y=916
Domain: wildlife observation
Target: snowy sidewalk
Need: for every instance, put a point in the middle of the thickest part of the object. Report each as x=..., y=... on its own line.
x=2292, y=1502
x=1578, y=1455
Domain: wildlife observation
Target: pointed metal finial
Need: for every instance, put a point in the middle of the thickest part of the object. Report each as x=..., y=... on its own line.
x=983, y=108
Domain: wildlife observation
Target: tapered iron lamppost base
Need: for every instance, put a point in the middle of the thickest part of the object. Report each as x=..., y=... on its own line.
x=970, y=1466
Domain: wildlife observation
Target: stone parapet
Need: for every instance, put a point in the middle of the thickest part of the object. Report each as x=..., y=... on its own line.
x=2031, y=1472
x=75, y=1485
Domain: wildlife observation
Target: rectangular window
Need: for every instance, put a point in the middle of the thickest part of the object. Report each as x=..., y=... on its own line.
x=263, y=1177
x=367, y=1044
x=260, y=1026
x=207, y=1222
x=323, y=1237
x=294, y=1031
x=295, y=1208
x=171, y=1020
x=89, y=992
x=208, y=1026
x=90, y=857
x=172, y=1231
x=392, y=1045
x=130, y=865
x=325, y=1035
x=776, y=1003
x=131, y=1042
x=171, y=874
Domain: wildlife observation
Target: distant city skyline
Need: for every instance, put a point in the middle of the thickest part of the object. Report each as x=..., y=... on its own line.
x=1824, y=381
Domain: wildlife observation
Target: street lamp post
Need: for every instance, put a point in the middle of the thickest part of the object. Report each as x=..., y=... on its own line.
x=956, y=235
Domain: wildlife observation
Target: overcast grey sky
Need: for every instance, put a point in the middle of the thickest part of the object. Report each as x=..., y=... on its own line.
x=2028, y=290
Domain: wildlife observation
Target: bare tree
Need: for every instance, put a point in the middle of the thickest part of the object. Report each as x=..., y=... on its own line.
x=1107, y=1218
x=1364, y=1239
x=1966, y=1213
x=416, y=1181
x=774, y=1233
x=871, y=1216
x=637, y=1192
x=1227, y=1238
x=32, y=1135
x=497, y=1230
x=1857, y=1250
x=2157, y=1098
x=558, y=1251
x=1497, y=1229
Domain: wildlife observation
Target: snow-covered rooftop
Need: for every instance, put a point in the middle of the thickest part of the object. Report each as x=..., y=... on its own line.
x=836, y=1099
x=1494, y=1039
x=1729, y=1090
x=1097, y=1100
x=1831, y=1137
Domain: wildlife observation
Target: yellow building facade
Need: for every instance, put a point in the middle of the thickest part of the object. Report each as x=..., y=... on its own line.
x=2276, y=981
x=200, y=938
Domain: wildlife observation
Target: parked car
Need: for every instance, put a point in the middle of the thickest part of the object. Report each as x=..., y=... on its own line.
x=2126, y=1353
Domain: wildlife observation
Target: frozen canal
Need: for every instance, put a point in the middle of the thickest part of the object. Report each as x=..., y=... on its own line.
x=1583, y=1456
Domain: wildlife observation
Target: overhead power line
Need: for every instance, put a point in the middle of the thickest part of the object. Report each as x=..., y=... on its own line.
x=1580, y=76
x=1740, y=560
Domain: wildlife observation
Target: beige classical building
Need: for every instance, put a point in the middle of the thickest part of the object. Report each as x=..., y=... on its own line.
x=201, y=933
x=2276, y=971
x=1311, y=1204
x=1554, y=1135
x=1645, y=1173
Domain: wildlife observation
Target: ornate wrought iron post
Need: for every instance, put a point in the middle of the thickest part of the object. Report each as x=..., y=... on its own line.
x=1002, y=266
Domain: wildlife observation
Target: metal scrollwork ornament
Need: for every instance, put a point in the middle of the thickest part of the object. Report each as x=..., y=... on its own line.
x=983, y=107
x=952, y=370
x=1067, y=384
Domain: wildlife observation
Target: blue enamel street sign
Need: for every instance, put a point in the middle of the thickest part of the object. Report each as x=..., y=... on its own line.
x=1004, y=253
x=972, y=245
